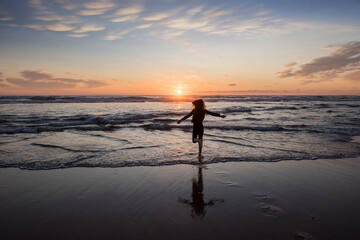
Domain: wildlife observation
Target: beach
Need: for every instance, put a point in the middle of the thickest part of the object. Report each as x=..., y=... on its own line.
x=308, y=199
x=120, y=167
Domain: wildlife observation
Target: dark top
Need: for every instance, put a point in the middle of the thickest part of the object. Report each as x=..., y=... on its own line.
x=198, y=116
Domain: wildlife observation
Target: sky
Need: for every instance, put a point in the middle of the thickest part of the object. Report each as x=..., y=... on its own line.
x=166, y=47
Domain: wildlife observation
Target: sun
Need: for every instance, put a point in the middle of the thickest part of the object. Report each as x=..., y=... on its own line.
x=179, y=91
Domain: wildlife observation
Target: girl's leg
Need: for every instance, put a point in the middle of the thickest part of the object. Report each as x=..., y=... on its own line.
x=200, y=142
x=195, y=135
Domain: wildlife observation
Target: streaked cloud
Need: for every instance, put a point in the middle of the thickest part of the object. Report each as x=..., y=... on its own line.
x=6, y=18
x=127, y=18
x=214, y=13
x=210, y=19
x=156, y=16
x=77, y=35
x=142, y=26
x=88, y=28
x=130, y=10
x=37, y=79
x=262, y=13
x=35, y=75
x=2, y=84
x=185, y=23
x=169, y=34
x=59, y=27
x=38, y=4
x=342, y=58
x=116, y=35
x=92, y=12
x=70, y=6
x=249, y=91
x=98, y=4
x=53, y=17
x=354, y=76
x=290, y=64
x=195, y=10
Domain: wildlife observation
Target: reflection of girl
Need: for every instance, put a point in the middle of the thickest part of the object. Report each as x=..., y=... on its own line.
x=198, y=114
x=198, y=204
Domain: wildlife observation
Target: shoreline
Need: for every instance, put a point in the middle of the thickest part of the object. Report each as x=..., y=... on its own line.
x=315, y=199
x=182, y=162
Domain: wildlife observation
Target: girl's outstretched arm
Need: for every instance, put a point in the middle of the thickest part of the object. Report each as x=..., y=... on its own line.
x=214, y=114
x=185, y=117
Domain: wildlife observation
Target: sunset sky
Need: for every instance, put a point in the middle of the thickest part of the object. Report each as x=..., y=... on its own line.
x=55, y=47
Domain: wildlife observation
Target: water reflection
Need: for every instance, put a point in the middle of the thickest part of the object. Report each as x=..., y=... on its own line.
x=197, y=203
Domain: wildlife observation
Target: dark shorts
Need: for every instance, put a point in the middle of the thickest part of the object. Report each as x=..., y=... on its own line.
x=198, y=131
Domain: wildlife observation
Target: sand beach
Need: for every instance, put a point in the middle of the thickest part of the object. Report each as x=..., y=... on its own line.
x=308, y=199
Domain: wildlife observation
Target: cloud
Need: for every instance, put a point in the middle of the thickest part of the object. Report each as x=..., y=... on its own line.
x=38, y=4
x=215, y=14
x=59, y=27
x=211, y=20
x=98, y=4
x=305, y=82
x=92, y=12
x=248, y=91
x=262, y=13
x=343, y=58
x=36, y=85
x=169, y=34
x=77, y=35
x=157, y=16
x=49, y=16
x=40, y=80
x=70, y=6
x=185, y=23
x=6, y=18
x=95, y=83
x=195, y=10
x=2, y=84
x=125, y=18
x=35, y=75
x=130, y=10
x=35, y=26
x=232, y=84
x=88, y=28
x=290, y=64
x=116, y=35
x=354, y=76
x=142, y=26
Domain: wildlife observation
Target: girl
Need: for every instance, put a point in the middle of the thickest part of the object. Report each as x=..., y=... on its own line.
x=198, y=114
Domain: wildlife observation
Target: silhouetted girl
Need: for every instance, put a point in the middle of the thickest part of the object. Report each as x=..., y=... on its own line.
x=198, y=114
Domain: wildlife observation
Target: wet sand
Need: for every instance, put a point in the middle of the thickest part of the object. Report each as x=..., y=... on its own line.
x=309, y=199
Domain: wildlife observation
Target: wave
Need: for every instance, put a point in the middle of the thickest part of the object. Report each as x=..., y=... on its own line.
x=168, y=127
x=80, y=161
x=64, y=148
x=236, y=109
x=108, y=123
x=281, y=108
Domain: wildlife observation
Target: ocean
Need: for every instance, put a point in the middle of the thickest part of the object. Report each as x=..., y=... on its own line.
x=47, y=132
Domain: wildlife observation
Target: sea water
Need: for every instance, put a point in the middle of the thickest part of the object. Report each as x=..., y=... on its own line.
x=45, y=132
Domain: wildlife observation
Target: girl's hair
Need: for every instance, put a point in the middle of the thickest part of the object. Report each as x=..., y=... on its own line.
x=199, y=105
